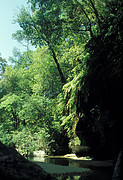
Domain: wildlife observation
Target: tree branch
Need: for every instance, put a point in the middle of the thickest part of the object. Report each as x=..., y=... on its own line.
x=90, y=29
x=96, y=14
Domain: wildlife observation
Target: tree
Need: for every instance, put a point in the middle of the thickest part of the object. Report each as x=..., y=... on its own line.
x=46, y=76
x=83, y=18
x=3, y=64
x=11, y=104
x=42, y=26
x=28, y=101
x=16, y=81
x=23, y=60
x=51, y=22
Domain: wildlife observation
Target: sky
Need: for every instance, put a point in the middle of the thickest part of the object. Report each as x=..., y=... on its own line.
x=8, y=10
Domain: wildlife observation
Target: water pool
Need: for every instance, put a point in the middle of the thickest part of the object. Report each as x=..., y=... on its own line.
x=99, y=172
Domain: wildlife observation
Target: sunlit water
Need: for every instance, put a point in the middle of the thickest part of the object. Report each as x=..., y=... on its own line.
x=99, y=173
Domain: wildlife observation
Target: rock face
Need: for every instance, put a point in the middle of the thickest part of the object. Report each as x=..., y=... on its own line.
x=16, y=167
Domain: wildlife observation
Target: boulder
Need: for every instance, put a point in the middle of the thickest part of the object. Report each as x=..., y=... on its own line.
x=16, y=167
x=39, y=154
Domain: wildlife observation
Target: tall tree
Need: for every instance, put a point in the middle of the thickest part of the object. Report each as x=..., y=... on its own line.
x=46, y=77
x=41, y=24
x=83, y=18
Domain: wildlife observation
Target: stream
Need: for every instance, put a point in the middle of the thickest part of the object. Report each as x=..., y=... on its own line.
x=99, y=173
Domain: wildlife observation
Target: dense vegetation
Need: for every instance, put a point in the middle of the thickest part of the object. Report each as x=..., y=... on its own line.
x=71, y=82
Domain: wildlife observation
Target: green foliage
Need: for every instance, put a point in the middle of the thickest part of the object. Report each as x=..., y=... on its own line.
x=5, y=134
x=3, y=64
x=16, y=81
x=75, y=73
x=23, y=60
x=28, y=104
x=42, y=26
x=46, y=76
x=67, y=101
x=26, y=141
x=41, y=23
x=83, y=18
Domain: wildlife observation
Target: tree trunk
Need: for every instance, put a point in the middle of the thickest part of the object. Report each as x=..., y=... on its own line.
x=90, y=28
x=63, y=80
x=97, y=15
x=15, y=118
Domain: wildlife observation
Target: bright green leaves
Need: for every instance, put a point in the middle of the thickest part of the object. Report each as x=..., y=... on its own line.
x=46, y=76
x=16, y=81
x=23, y=60
x=67, y=103
x=41, y=25
x=37, y=110
x=77, y=56
x=28, y=92
x=71, y=89
x=74, y=57
x=10, y=100
x=10, y=107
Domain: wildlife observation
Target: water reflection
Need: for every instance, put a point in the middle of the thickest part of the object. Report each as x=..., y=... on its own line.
x=39, y=159
x=69, y=178
x=58, y=161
